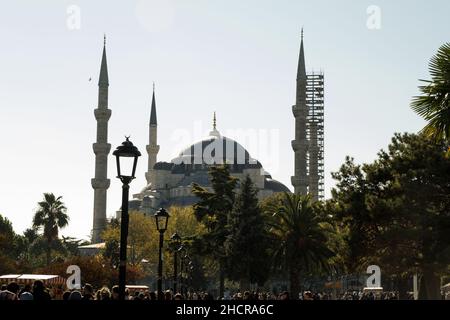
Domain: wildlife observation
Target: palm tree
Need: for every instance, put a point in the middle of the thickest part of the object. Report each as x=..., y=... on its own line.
x=50, y=216
x=434, y=103
x=300, y=237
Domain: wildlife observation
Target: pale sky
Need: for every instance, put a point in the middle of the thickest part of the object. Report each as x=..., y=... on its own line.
x=235, y=57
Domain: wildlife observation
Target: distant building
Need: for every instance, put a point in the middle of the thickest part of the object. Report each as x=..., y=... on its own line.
x=91, y=249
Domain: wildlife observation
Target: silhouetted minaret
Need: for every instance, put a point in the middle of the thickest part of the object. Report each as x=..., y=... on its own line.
x=101, y=149
x=300, y=143
x=152, y=147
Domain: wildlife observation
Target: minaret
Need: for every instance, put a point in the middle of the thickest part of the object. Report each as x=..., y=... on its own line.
x=300, y=143
x=101, y=149
x=152, y=147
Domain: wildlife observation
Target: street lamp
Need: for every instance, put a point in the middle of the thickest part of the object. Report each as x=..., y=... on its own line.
x=186, y=266
x=126, y=158
x=176, y=243
x=161, y=219
x=182, y=251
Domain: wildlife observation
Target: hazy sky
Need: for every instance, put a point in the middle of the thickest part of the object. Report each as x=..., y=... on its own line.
x=235, y=57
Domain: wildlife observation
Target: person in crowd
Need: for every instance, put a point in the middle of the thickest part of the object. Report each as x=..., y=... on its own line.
x=66, y=295
x=167, y=295
x=152, y=295
x=308, y=296
x=141, y=296
x=88, y=292
x=25, y=293
x=9, y=292
x=284, y=295
x=115, y=293
x=105, y=294
x=75, y=295
x=40, y=292
x=208, y=296
x=178, y=296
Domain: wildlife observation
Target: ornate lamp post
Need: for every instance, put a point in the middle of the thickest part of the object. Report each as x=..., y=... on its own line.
x=176, y=245
x=161, y=219
x=182, y=250
x=186, y=267
x=126, y=158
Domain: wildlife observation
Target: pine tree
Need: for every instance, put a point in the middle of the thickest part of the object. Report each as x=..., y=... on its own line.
x=247, y=241
x=213, y=210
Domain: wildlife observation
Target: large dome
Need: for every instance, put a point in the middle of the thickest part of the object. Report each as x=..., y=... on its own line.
x=215, y=149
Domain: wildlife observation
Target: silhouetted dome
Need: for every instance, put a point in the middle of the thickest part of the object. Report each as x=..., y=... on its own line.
x=215, y=149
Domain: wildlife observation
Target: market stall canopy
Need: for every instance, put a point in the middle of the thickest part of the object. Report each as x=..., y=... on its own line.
x=30, y=278
x=373, y=289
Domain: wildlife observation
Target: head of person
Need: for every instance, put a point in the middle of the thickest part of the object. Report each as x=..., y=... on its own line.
x=13, y=287
x=284, y=295
x=26, y=295
x=167, y=295
x=75, y=295
x=178, y=296
x=88, y=290
x=27, y=288
x=105, y=294
x=66, y=295
x=309, y=295
x=38, y=285
x=115, y=292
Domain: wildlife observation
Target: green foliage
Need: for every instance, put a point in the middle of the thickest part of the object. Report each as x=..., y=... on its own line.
x=50, y=217
x=143, y=239
x=397, y=209
x=7, y=248
x=247, y=241
x=94, y=270
x=214, y=208
x=434, y=103
x=300, y=234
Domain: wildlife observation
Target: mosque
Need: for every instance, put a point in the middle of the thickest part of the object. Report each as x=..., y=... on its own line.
x=169, y=182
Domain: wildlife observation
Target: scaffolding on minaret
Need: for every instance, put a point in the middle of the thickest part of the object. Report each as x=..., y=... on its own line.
x=315, y=133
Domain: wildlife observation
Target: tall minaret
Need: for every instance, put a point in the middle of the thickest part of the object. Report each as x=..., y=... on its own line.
x=152, y=147
x=300, y=143
x=101, y=149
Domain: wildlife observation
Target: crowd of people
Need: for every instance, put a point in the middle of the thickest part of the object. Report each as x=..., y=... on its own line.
x=39, y=292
